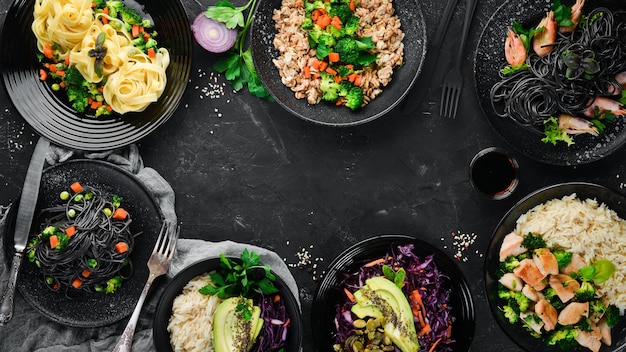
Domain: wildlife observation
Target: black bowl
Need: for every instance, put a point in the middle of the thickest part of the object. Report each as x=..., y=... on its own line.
x=91, y=310
x=52, y=116
x=489, y=57
x=328, y=296
x=517, y=333
x=164, y=309
x=263, y=51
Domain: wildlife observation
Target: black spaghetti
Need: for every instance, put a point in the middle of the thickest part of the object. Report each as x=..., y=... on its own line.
x=556, y=83
x=84, y=243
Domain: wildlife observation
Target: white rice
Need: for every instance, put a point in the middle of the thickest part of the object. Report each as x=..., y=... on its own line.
x=191, y=323
x=585, y=227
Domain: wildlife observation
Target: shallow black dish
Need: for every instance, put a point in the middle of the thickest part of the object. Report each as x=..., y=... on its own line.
x=91, y=310
x=328, y=295
x=517, y=333
x=175, y=287
x=490, y=58
x=50, y=114
x=263, y=52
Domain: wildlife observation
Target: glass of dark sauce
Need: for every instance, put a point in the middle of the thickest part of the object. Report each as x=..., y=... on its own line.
x=494, y=173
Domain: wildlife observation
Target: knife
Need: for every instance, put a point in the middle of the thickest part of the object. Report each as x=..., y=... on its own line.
x=414, y=98
x=23, y=221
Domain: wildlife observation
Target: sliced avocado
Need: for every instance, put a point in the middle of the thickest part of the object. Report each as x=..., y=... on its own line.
x=363, y=311
x=231, y=332
x=394, y=306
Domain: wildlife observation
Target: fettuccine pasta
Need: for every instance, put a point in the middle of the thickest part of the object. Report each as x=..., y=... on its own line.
x=129, y=78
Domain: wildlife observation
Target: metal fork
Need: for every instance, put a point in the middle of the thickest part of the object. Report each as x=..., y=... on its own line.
x=453, y=81
x=158, y=264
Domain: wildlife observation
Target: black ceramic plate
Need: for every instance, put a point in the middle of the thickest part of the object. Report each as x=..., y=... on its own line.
x=328, y=296
x=92, y=310
x=517, y=333
x=263, y=52
x=50, y=114
x=490, y=58
x=164, y=309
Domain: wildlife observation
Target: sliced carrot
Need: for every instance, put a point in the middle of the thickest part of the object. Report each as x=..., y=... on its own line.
x=109, y=108
x=338, y=79
x=317, y=75
x=306, y=72
x=76, y=187
x=276, y=298
x=47, y=51
x=70, y=231
x=357, y=80
x=120, y=214
x=77, y=283
x=105, y=10
x=60, y=73
x=374, y=262
x=299, y=3
x=54, y=241
x=349, y=294
x=121, y=247
x=95, y=104
x=424, y=330
x=339, y=102
x=55, y=286
x=324, y=21
x=146, y=36
x=52, y=68
x=331, y=71
x=336, y=22
x=151, y=53
x=315, y=14
x=323, y=66
x=86, y=273
x=43, y=75
x=104, y=19
x=352, y=6
x=333, y=57
x=316, y=64
x=432, y=347
x=135, y=31
x=67, y=60
x=62, y=84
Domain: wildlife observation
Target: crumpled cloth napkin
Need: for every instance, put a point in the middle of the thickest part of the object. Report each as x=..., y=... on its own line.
x=30, y=331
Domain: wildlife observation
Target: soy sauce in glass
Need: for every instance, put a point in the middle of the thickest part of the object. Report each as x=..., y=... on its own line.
x=494, y=173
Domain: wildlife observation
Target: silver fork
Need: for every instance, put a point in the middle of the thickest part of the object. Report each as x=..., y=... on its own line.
x=453, y=81
x=158, y=264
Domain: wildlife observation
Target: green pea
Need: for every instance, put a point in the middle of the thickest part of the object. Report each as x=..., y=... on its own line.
x=107, y=211
x=56, y=87
x=89, y=196
x=65, y=195
x=78, y=198
x=49, y=280
x=71, y=213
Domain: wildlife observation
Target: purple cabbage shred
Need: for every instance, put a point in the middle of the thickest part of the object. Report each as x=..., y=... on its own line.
x=273, y=337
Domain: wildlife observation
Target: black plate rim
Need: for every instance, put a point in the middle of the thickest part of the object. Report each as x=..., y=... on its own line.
x=537, y=197
x=276, y=90
x=345, y=259
x=78, y=131
x=32, y=301
x=175, y=286
x=559, y=155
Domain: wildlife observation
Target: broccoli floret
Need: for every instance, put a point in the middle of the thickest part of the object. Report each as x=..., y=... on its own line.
x=565, y=338
x=103, y=110
x=510, y=314
x=509, y=264
x=532, y=242
x=522, y=301
x=355, y=98
x=317, y=4
x=99, y=4
x=330, y=88
x=114, y=6
x=342, y=11
x=552, y=297
x=118, y=10
x=344, y=87
x=586, y=292
x=351, y=26
x=113, y=284
x=348, y=50
x=612, y=315
x=142, y=44
x=504, y=292
x=597, y=307
x=562, y=257
x=314, y=36
x=307, y=23
x=73, y=77
x=584, y=325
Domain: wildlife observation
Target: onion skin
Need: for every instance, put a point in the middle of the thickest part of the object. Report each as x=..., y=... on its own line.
x=213, y=35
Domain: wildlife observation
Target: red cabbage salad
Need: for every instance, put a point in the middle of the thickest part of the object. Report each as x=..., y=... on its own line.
x=423, y=285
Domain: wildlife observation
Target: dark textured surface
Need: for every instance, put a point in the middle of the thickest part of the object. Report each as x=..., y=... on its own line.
x=246, y=170
x=93, y=310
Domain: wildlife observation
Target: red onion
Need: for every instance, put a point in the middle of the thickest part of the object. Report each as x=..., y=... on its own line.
x=213, y=35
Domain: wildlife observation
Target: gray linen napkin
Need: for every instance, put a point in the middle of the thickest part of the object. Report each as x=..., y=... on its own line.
x=30, y=331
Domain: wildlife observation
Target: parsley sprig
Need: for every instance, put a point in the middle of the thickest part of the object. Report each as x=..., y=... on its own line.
x=246, y=279
x=237, y=64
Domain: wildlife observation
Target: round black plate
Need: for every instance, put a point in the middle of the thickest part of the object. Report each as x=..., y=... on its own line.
x=328, y=296
x=263, y=52
x=490, y=58
x=50, y=114
x=517, y=333
x=164, y=309
x=91, y=310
